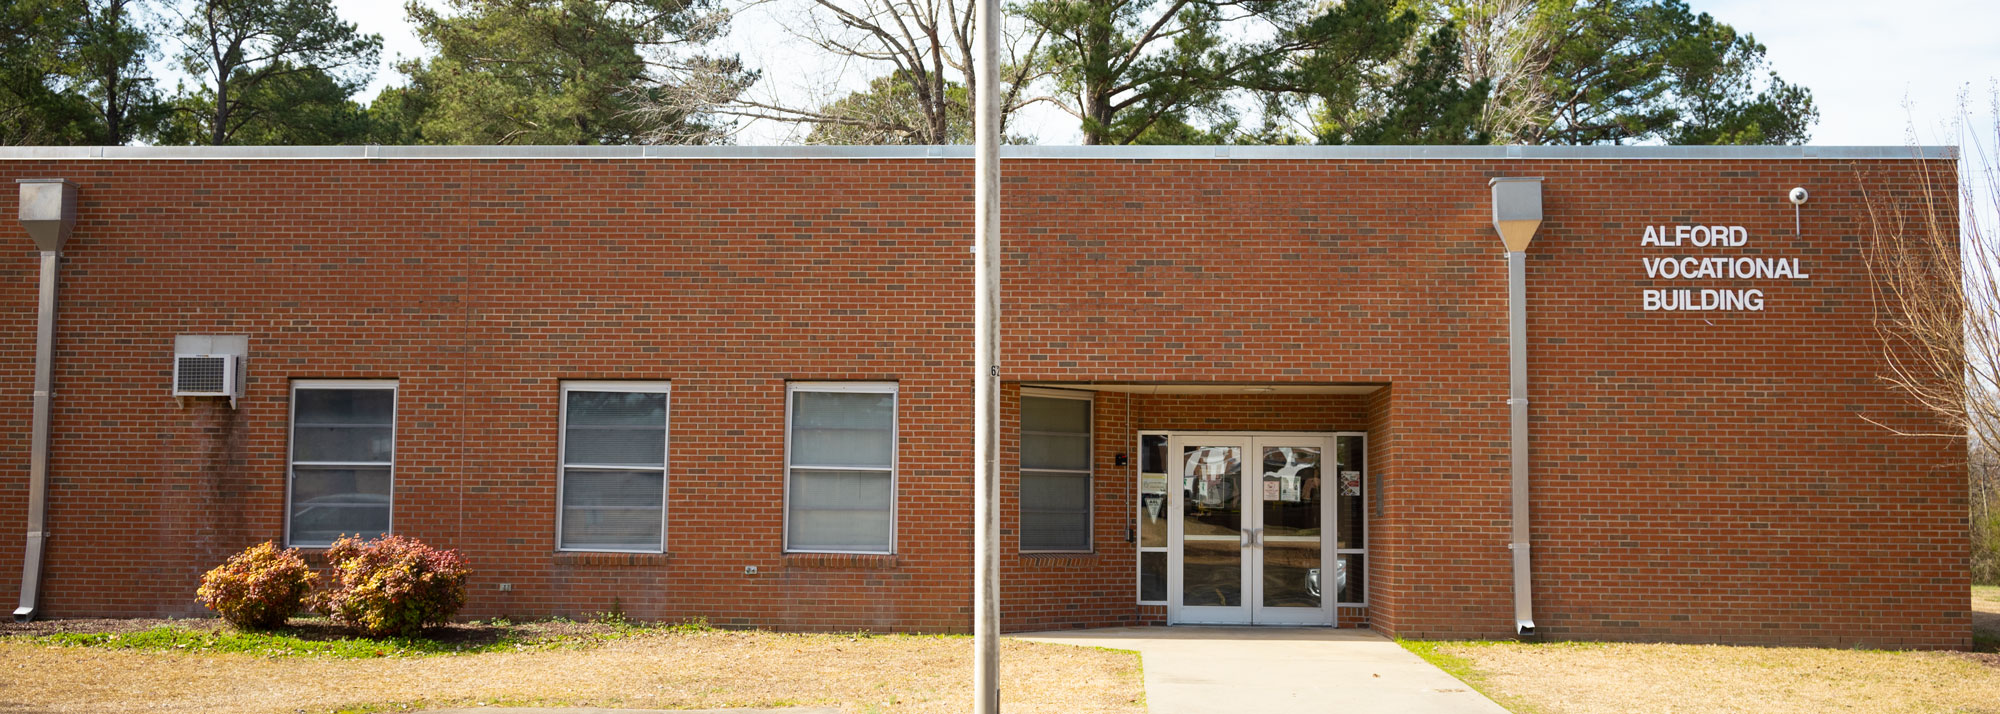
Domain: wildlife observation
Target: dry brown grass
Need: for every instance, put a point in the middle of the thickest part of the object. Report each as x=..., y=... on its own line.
x=1649, y=678
x=665, y=670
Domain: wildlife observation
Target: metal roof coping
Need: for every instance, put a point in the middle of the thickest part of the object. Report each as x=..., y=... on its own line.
x=957, y=153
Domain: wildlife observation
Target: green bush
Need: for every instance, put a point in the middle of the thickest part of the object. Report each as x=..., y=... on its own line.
x=392, y=585
x=258, y=588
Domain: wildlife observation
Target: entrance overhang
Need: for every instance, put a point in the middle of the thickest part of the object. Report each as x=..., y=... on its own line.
x=1211, y=388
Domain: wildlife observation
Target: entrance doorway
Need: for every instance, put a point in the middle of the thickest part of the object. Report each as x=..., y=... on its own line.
x=1251, y=526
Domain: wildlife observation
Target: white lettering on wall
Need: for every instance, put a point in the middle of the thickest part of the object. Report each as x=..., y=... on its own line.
x=1724, y=268
x=1709, y=267
x=1685, y=300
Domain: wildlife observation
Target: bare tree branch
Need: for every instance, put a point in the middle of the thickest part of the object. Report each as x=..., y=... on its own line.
x=1934, y=260
x=917, y=54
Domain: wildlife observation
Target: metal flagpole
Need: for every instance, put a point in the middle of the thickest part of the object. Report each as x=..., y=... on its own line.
x=986, y=373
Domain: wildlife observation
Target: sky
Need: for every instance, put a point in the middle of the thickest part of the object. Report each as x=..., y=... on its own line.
x=1877, y=69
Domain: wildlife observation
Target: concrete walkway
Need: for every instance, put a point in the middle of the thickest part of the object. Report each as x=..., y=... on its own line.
x=1193, y=670
x=600, y=710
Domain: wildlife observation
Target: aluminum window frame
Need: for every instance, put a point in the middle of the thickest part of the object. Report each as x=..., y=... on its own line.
x=291, y=442
x=1139, y=547
x=1367, y=519
x=892, y=388
x=1089, y=474
x=663, y=388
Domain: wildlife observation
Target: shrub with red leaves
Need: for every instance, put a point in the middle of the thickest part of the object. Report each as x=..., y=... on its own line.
x=258, y=588
x=392, y=585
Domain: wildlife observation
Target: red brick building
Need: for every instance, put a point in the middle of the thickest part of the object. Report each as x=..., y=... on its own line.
x=1255, y=385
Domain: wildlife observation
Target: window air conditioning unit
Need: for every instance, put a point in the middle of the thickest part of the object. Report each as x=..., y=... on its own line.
x=212, y=368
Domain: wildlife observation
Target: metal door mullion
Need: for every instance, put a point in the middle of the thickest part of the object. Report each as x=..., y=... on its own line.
x=1253, y=507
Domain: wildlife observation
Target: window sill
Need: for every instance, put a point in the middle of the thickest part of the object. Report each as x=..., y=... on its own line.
x=611, y=560
x=841, y=561
x=1059, y=559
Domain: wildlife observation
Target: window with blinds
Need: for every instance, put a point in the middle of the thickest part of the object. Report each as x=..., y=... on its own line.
x=1055, y=473
x=343, y=454
x=840, y=461
x=614, y=467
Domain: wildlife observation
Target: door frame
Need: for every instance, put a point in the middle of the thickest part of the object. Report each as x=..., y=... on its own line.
x=1252, y=611
x=1178, y=613
x=1329, y=475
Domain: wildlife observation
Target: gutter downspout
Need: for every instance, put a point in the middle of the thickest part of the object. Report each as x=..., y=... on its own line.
x=48, y=212
x=1517, y=213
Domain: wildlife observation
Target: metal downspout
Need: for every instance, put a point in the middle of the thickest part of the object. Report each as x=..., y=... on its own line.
x=1517, y=407
x=48, y=211
x=1517, y=213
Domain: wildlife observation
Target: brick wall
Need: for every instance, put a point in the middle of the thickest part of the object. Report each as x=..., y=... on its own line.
x=1698, y=476
x=480, y=286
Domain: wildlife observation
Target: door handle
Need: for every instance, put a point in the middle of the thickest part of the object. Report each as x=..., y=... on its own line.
x=1253, y=537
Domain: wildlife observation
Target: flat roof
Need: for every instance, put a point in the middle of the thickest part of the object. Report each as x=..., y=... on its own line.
x=1119, y=153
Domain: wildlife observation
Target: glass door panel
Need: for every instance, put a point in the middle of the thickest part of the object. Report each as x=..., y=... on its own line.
x=1292, y=510
x=1212, y=526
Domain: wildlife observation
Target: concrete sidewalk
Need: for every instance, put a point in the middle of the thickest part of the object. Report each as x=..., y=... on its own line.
x=599, y=710
x=1193, y=670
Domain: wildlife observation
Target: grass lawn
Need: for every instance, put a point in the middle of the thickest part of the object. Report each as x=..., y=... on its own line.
x=1574, y=678
x=198, y=666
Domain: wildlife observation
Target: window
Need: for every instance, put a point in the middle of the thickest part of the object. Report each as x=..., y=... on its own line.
x=343, y=455
x=840, y=461
x=614, y=467
x=1350, y=585
x=1153, y=514
x=1055, y=472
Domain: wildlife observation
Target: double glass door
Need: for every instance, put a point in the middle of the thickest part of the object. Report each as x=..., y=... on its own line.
x=1248, y=541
